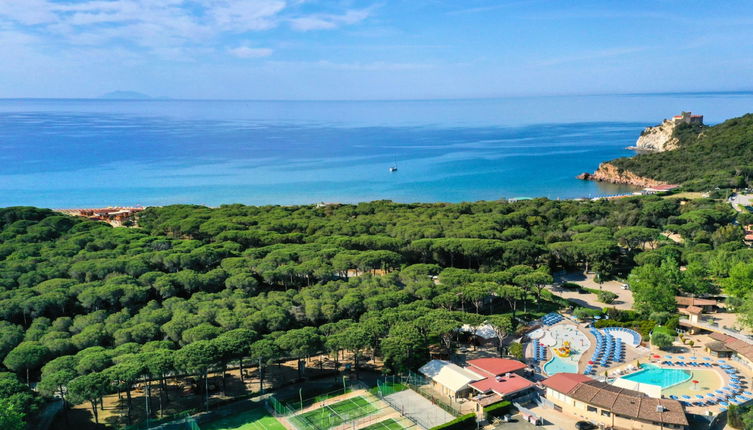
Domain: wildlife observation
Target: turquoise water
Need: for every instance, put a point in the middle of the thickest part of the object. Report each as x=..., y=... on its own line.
x=655, y=375
x=558, y=365
x=84, y=153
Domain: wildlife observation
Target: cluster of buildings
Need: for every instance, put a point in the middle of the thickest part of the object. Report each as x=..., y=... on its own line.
x=612, y=406
x=115, y=216
x=486, y=381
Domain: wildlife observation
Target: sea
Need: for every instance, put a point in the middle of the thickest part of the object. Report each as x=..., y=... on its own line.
x=96, y=153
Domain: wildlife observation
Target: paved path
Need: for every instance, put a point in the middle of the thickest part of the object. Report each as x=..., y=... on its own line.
x=419, y=408
x=739, y=201
x=624, y=300
x=47, y=415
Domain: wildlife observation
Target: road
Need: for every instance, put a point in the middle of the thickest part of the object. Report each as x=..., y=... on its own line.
x=740, y=201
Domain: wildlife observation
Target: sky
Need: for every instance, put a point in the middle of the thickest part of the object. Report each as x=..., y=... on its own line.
x=372, y=49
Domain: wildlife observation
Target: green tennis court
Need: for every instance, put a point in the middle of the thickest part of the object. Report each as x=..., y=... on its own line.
x=333, y=415
x=255, y=419
x=388, y=424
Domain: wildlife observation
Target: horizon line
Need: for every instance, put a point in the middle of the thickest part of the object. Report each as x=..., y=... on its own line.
x=170, y=99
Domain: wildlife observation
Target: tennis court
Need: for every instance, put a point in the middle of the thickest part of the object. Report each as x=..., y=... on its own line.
x=255, y=419
x=388, y=424
x=335, y=414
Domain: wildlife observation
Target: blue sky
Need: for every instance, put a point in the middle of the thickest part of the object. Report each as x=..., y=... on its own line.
x=372, y=49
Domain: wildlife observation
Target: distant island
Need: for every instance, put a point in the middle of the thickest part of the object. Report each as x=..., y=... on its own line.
x=125, y=95
x=682, y=150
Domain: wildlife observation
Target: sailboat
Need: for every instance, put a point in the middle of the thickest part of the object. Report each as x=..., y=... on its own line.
x=393, y=168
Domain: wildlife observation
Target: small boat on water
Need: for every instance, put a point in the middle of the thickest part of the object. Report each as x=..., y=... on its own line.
x=393, y=168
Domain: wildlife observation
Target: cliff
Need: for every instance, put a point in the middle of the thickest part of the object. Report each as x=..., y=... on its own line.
x=607, y=172
x=659, y=138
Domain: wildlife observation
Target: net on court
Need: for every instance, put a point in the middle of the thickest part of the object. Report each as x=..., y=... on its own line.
x=334, y=414
x=388, y=424
x=254, y=419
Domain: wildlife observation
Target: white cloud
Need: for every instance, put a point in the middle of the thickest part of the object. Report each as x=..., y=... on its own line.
x=329, y=21
x=245, y=15
x=248, y=52
x=167, y=28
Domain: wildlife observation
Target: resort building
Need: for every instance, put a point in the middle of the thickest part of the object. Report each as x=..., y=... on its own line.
x=449, y=379
x=503, y=379
x=488, y=380
x=743, y=350
x=659, y=189
x=611, y=406
x=706, y=305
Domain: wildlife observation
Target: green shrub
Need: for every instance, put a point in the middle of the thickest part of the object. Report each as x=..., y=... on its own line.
x=661, y=340
x=585, y=313
x=497, y=409
x=463, y=422
x=571, y=285
x=606, y=296
x=516, y=350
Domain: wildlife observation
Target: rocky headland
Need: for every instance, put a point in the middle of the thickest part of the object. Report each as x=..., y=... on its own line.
x=607, y=172
x=659, y=138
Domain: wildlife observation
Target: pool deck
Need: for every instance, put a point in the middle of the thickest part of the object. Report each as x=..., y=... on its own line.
x=631, y=354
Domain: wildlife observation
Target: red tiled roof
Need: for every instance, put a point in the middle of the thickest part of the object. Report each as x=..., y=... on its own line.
x=495, y=366
x=692, y=310
x=504, y=386
x=564, y=382
x=692, y=301
x=743, y=348
x=621, y=401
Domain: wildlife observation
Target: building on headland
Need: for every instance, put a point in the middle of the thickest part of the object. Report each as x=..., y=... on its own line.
x=610, y=406
x=687, y=118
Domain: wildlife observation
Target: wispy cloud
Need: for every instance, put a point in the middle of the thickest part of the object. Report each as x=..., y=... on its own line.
x=248, y=52
x=328, y=21
x=590, y=55
x=489, y=8
x=164, y=27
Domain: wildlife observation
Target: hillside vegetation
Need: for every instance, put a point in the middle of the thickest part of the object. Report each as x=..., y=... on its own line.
x=720, y=156
x=87, y=309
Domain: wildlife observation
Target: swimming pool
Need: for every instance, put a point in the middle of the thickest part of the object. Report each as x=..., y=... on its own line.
x=660, y=376
x=560, y=365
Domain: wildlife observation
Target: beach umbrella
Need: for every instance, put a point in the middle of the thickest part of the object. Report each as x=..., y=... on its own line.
x=724, y=403
x=710, y=395
x=668, y=357
x=698, y=396
x=748, y=393
x=681, y=357
x=685, y=396
x=673, y=397
x=721, y=361
x=694, y=358
x=590, y=362
x=656, y=356
x=695, y=385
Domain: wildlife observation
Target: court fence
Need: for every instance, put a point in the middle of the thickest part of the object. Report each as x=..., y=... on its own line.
x=369, y=410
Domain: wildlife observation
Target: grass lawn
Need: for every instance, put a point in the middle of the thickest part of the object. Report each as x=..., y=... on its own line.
x=255, y=419
x=388, y=424
x=333, y=415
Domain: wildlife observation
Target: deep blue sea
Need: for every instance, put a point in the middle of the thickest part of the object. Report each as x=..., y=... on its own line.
x=87, y=153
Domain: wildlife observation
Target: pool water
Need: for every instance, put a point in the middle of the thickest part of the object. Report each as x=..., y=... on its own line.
x=655, y=375
x=559, y=365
